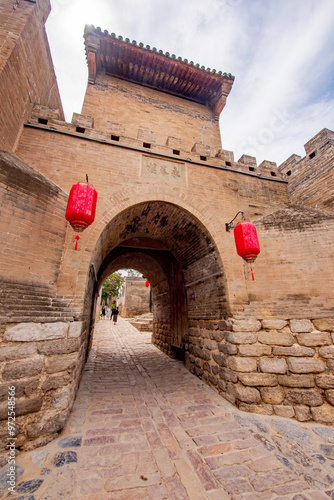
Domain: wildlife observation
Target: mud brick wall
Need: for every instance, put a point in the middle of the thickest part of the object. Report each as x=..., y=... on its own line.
x=138, y=111
x=26, y=69
x=44, y=362
x=269, y=366
x=33, y=228
x=311, y=178
x=136, y=299
x=294, y=271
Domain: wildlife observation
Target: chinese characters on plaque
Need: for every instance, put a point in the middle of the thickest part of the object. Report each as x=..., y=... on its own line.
x=163, y=170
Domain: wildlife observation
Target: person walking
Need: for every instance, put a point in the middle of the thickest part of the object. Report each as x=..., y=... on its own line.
x=114, y=314
x=103, y=312
x=108, y=312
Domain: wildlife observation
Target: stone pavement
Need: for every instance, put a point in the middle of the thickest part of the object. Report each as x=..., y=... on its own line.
x=143, y=427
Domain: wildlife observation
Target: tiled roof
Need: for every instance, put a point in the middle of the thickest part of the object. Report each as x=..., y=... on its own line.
x=150, y=67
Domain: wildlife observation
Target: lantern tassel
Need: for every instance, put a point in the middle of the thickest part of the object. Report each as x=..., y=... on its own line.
x=252, y=272
x=76, y=243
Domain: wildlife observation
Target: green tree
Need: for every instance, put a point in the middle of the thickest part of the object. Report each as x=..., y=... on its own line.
x=112, y=286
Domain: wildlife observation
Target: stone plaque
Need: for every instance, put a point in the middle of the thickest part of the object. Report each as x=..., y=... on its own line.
x=163, y=170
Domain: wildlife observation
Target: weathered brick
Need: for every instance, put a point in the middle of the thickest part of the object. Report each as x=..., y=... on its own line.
x=241, y=337
x=272, y=395
x=22, y=369
x=228, y=375
x=323, y=414
x=324, y=324
x=242, y=364
x=307, y=397
x=220, y=359
x=325, y=381
x=210, y=344
x=330, y=396
x=276, y=338
x=305, y=365
x=59, y=363
x=254, y=350
x=284, y=411
x=294, y=380
x=274, y=324
x=314, y=339
x=273, y=365
x=29, y=332
x=294, y=350
x=258, y=379
x=247, y=394
x=327, y=352
x=228, y=348
x=301, y=325
x=247, y=325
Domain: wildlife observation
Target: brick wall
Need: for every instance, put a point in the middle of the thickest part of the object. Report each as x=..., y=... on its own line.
x=311, y=178
x=136, y=298
x=26, y=69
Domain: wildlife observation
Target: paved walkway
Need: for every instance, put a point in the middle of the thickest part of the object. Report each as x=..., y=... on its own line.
x=143, y=427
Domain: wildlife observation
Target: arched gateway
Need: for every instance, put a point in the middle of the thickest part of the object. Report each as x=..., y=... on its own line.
x=149, y=140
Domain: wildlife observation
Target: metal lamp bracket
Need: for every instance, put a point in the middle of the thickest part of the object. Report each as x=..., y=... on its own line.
x=228, y=225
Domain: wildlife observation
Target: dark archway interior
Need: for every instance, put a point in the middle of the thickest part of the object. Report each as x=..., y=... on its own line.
x=178, y=257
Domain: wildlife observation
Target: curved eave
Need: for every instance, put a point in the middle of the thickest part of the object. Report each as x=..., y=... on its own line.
x=145, y=66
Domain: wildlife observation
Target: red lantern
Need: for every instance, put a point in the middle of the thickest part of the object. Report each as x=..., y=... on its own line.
x=147, y=283
x=246, y=242
x=81, y=207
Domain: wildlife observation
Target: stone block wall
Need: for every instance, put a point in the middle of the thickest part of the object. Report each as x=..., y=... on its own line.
x=161, y=337
x=269, y=366
x=44, y=362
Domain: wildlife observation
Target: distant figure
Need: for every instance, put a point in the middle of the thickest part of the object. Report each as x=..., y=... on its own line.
x=103, y=312
x=114, y=314
x=108, y=312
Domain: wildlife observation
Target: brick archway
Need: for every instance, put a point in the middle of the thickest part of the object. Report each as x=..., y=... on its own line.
x=180, y=258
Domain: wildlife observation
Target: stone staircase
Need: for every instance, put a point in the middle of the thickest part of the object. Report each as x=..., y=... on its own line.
x=143, y=323
x=28, y=301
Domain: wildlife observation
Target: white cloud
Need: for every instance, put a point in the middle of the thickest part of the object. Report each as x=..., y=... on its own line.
x=280, y=51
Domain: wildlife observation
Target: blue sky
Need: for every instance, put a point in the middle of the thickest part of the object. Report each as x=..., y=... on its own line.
x=281, y=53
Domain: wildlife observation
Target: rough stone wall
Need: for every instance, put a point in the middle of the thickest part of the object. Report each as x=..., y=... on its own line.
x=311, y=178
x=26, y=69
x=161, y=337
x=44, y=362
x=273, y=366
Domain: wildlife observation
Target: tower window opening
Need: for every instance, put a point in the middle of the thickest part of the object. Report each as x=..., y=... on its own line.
x=114, y=137
x=146, y=145
x=43, y=121
x=176, y=152
x=312, y=155
x=289, y=173
x=273, y=174
x=228, y=163
x=203, y=158
x=81, y=130
x=251, y=169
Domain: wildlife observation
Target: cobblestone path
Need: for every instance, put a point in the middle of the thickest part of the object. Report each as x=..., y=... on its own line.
x=143, y=427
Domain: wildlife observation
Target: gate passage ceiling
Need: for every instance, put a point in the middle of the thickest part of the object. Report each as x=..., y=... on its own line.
x=160, y=232
x=171, y=227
